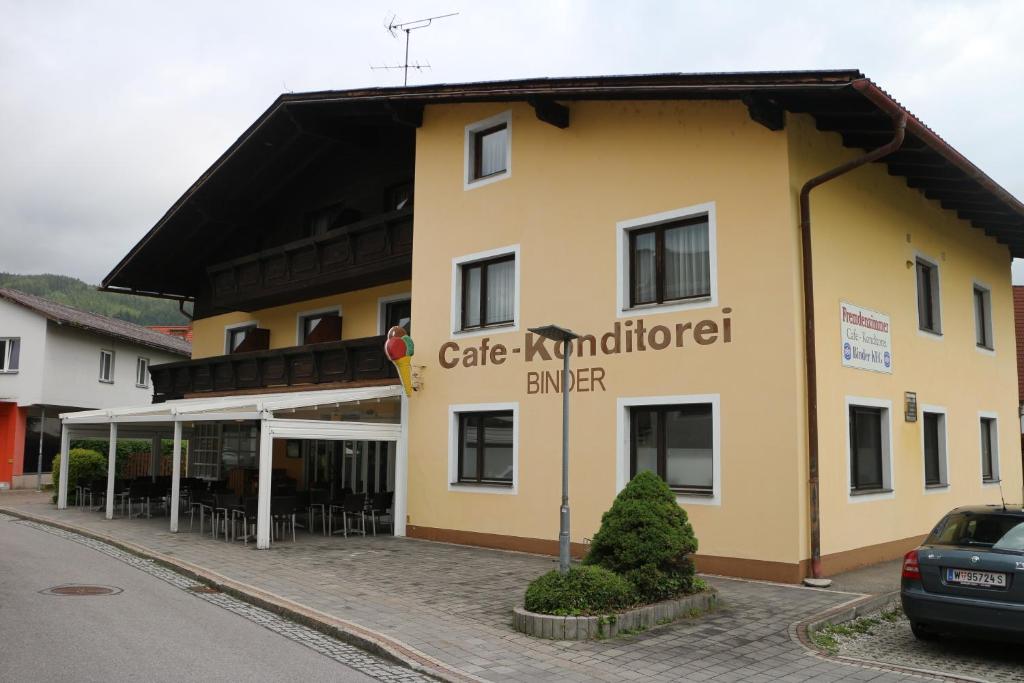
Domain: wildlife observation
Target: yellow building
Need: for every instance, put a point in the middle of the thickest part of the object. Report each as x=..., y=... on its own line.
x=658, y=217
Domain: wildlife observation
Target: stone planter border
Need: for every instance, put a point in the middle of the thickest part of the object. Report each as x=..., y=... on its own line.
x=606, y=626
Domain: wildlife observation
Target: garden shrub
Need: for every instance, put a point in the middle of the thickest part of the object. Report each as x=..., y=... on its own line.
x=581, y=590
x=84, y=465
x=647, y=539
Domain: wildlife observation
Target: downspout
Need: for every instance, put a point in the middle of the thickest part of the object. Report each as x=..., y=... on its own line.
x=899, y=117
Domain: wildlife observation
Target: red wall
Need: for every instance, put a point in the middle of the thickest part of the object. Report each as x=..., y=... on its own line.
x=12, y=440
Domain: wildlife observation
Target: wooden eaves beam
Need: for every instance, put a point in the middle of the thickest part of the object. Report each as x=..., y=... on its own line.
x=766, y=111
x=549, y=111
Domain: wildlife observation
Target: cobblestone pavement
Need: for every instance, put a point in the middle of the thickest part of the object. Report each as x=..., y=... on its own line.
x=893, y=643
x=454, y=603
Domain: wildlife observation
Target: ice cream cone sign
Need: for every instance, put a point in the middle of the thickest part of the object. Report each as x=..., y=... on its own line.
x=399, y=348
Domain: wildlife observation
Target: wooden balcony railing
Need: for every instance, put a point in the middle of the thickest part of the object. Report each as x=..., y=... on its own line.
x=355, y=256
x=352, y=360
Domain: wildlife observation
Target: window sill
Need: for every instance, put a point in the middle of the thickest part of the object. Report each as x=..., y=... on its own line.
x=106, y=381
x=140, y=386
x=482, y=487
x=869, y=492
x=486, y=329
x=990, y=482
x=696, y=493
x=8, y=372
x=473, y=183
x=934, y=334
x=936, y=487
x=667, y=306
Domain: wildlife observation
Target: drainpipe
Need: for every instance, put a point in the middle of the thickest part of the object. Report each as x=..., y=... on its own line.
x=899, y=117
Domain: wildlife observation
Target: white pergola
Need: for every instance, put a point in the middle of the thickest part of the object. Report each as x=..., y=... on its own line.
x=172, y=418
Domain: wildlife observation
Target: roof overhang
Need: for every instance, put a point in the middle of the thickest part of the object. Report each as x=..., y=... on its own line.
x=841, y=101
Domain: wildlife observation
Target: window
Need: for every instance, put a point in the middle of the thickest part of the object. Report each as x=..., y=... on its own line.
x=934, y=440
x=107, y=366
x=396, y=313
x=676, y=442
x=235, y=335
x=989, y=450
x=870, y=466
x=928, y=318
x=10, y=352
x=142, y=373
x=316, y=327
x=488, y=295
x=985, y=529
x=982, y=317
x=488, y=150
x=670, y=263
x=486, y=447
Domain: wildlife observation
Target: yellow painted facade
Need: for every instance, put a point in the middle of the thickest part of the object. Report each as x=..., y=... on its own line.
x=359, y=310
x=559, y=209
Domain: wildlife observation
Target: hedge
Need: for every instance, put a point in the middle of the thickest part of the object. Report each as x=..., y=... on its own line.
x=583, y=590
x=84, y=465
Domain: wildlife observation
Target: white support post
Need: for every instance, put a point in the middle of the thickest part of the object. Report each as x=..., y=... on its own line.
x=111, y=467
x=175, y=476
x=155, y=456
x=263, y=492
x=399, y=506
x=62, y=483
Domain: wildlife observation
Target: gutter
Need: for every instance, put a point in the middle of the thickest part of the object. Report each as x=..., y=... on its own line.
x=899, y=117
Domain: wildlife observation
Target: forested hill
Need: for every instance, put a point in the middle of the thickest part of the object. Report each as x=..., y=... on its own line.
x=73, y=292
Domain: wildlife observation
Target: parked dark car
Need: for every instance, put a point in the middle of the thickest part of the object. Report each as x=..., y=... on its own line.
x=968, y=576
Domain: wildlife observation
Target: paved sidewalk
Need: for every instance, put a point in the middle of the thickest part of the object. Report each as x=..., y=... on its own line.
x=454, y=604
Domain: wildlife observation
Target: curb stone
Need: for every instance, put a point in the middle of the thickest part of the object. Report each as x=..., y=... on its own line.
x=803, y=631
x=365, y=638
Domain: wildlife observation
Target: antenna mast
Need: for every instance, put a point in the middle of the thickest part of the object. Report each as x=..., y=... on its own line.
x=394, y=27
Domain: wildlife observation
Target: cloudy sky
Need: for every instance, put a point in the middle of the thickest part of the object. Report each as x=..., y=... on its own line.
x=110, y=110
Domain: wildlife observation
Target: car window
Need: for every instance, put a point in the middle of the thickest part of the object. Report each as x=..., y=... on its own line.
x=1000, y=532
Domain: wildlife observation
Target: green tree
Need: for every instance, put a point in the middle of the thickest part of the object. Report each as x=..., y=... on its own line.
x=647, y=538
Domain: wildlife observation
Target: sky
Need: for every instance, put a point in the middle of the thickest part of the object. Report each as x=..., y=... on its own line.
x=110, y=110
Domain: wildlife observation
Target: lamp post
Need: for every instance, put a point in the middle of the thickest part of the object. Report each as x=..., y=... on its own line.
x=561, y=334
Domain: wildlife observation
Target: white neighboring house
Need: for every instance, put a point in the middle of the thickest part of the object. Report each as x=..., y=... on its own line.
x=55, y=359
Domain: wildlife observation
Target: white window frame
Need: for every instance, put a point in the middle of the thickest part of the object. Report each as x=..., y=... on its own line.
x=110, y=379
x=454, y=411
x=145, y=377
x=888, y=448
x=936, y=296
x=997, y=476
x=943, y=449
x=456, y=299
x=382, y=304
x=622, y=265
x=622, y=429
x=8, y=343
x=989, y=350
x=235, y=326
x=299, y=340
x=469, y=183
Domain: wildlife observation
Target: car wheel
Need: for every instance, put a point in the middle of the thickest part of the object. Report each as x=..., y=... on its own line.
x=921, y=632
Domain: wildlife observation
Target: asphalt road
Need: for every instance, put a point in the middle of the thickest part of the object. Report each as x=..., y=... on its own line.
x=151, y=631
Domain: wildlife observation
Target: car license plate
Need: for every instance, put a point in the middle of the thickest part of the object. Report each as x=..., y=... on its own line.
x=970, y=577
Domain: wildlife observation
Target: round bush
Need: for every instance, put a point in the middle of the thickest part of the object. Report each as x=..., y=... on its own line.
x=646, y=538
x=84, y=465
x=581, y=590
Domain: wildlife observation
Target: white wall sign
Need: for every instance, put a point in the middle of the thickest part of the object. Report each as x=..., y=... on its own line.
x=866, y=338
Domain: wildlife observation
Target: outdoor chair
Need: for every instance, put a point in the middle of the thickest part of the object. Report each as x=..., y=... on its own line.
x=138, y=493
x=319, y=499
x=223, y=503
x=282, y=511
x=202, y=503
x=246, y=514
x=380, y=506
x=354, y=506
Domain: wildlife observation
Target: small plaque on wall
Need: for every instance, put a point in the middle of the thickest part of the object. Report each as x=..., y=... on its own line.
x=910, y=406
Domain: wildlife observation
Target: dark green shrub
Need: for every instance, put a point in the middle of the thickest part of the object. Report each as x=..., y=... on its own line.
x=646, y=538
x=83, y=465
x=582, y=590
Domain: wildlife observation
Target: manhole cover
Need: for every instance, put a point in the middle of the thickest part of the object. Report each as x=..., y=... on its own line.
x=77, y=589
x=204, y=589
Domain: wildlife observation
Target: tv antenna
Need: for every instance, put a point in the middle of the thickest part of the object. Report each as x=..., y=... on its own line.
x=394, y=27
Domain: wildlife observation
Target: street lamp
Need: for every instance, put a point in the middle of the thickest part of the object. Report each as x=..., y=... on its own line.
x=560, y=334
